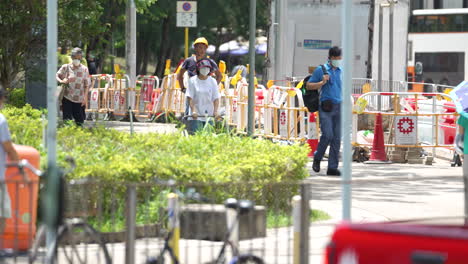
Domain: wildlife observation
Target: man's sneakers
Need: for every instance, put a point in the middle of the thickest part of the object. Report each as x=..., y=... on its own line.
x=316, y=165
x=333, y=172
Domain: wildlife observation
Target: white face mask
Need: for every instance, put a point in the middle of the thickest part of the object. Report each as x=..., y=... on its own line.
x=76, y=62
x=336, y=63
x=204, y=71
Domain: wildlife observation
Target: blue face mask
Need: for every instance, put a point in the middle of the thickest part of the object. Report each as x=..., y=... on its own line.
x=336, y=63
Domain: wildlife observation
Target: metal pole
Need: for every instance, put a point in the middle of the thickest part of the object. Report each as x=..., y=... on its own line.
x=52, y=178
x=130, y=219
x=130, y=43
x=251, y=102
x=346, y=111
x=379, y=102
x=186, y=42
x=305, y=224
x=278, y=45
x=390, y=72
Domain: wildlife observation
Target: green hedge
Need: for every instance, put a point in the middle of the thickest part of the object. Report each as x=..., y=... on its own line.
x=248, y=166
x=113, y=156
x=17, y=97
x=118, y=156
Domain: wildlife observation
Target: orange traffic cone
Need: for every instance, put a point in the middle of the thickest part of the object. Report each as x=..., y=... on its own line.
x=312, y=135
x=378, y=154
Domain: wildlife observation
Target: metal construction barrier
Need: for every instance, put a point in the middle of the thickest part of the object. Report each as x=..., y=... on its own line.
x=285, y=114
x=147, y=96
x=279, y=111
x=414, y=120
x=172, y=99
x=98, y=97
x=122, y=97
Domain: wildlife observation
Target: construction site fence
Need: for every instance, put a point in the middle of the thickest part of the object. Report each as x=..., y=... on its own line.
x=413, y=120
x=280, y=112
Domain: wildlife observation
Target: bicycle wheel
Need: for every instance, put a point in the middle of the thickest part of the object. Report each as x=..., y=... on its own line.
x=245, y=259
x=78, y=242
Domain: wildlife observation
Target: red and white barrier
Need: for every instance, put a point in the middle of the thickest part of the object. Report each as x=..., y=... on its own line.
x=312, y=134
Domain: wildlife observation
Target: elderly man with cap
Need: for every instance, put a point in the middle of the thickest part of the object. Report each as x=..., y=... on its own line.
x=202, y=96
x=76, y=81
x=190, y=64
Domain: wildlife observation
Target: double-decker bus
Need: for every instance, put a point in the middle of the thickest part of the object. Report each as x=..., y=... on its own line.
x=438, y=47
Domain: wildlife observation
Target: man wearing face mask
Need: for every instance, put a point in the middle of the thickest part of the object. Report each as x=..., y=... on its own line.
x=329, y=84
x=202, y=96
x=75, y=80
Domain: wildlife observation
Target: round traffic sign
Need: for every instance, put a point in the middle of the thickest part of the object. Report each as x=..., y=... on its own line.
x=187, y=6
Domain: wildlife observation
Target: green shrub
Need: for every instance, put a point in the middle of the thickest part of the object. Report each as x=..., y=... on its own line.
x=25, y=125
x=245, y=166
x=17, y=97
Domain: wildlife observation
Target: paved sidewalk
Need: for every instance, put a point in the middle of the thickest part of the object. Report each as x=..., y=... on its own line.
x=387, y=192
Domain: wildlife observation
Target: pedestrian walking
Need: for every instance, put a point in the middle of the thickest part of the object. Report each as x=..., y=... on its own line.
x=190, y=64
x=202, y=96
x=75, y=81
x=329, y=84
x=6, y=149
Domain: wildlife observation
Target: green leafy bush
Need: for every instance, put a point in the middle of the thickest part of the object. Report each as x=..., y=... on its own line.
x=26, y=125
x=17, y=97
x=245, y=166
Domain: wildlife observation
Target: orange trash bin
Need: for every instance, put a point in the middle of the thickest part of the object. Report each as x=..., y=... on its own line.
x=20, y=229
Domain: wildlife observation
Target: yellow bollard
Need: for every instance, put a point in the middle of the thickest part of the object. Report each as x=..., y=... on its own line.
x=270, y=83
x=236, y=77
x=167, y=70
x=222, y=66
x=118, y=75
x=296, y=213
x=222, y=69
x=174, y=223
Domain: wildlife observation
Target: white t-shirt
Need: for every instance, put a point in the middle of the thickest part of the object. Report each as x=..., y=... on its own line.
x=203, y=93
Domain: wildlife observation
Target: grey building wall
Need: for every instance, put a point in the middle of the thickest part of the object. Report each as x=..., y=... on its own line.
x=301, y=21
x=400, y=40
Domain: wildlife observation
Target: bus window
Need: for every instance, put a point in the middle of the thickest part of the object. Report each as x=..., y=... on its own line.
x=438, y=23
x=442, y=67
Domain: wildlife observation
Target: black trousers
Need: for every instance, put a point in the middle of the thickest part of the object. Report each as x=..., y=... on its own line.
x=72, y=111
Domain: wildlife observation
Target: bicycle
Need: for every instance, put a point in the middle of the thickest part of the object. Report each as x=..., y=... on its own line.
x=65, y=246
x=241, y=207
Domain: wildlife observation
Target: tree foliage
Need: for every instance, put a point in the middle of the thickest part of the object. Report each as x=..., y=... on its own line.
x=23, y=22
x=98, y=26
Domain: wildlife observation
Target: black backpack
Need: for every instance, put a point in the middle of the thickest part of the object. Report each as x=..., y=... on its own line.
x=311, y=97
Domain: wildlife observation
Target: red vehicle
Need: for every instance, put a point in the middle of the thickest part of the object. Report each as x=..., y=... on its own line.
x=398, y=243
